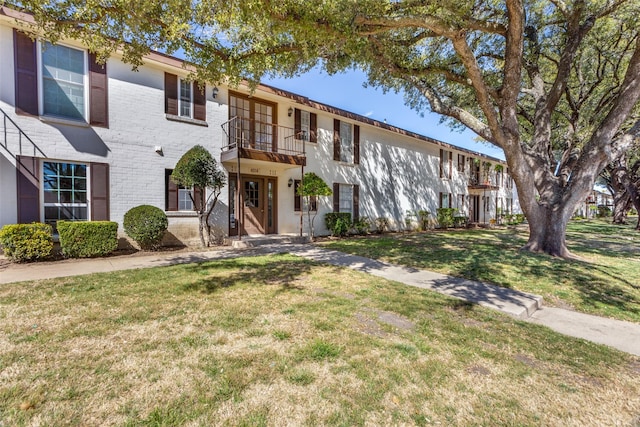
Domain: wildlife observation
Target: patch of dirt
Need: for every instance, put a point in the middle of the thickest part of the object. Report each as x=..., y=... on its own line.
x=478, y=370
x=369, y=322
x=523, y=358
x=634, y=367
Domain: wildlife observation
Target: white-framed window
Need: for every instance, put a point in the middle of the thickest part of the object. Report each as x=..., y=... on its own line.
x=185, y=98
x=346, y=142
x=184, y=199
x=445, y=201
x=305, y=125
x=445, y=163
x=346, y=198
x=63, y=75
x=65, y=192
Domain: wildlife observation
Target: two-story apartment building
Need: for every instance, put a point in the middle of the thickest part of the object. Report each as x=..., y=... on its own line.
x=85, y=141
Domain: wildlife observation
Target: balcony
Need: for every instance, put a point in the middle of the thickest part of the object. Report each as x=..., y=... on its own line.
x=252, y=139
x=482, y=181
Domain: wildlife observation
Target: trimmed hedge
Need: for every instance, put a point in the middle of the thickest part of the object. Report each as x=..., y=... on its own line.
x=146, y=225
x=26, y=242
x=80, y=239
x=445, y=217
x=338, y=223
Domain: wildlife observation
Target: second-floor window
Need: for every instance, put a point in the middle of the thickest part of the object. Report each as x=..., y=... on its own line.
x=63, y=81
x=446, y=160
x=346, y=142
x=185, y=99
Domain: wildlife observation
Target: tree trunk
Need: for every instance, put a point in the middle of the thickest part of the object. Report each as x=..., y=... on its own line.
x=547, y=232
x=201, y=226
x=621, y=206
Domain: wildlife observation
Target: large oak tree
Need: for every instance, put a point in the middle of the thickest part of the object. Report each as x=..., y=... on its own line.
x=520, y=73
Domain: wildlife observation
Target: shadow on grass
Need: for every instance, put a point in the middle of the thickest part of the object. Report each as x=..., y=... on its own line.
x=260, y=271
x=494, y=256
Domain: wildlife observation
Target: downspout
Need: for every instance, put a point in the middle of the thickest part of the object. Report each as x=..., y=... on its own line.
x=304, y=155
x=238, y=195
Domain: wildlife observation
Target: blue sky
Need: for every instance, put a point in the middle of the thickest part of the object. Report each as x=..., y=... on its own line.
x=347, y=92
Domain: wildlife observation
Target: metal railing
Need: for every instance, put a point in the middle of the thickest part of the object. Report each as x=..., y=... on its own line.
x=256, y=135
x=15, y=141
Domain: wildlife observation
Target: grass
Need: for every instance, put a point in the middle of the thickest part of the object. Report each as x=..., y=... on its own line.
x=606, y=282
x=278, y=340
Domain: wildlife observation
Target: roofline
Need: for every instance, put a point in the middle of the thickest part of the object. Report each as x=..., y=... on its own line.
x=172, y=61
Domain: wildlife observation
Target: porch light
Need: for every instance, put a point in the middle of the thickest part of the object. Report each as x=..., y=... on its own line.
x=215, y=91
x=290, y=112
x=290, y=182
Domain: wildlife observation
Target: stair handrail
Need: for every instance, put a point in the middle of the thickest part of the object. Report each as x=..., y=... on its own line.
x=21, y=133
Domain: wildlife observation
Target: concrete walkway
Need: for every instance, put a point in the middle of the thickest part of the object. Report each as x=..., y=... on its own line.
x=622, y=335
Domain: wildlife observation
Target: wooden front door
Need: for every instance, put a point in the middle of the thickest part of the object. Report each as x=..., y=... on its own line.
x=474, y=208
x=253, y=198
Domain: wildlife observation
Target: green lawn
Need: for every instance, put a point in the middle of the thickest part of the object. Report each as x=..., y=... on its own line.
x=606, y=282
x=279, y=340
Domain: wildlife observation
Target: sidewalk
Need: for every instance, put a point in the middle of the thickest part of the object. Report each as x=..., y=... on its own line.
x=624, y=336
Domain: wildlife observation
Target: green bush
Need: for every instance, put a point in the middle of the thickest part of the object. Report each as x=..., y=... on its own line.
x=382, y=224
x=146, y=225
x=445, y=217
x=519, y=218
x=338, y=223
x=460, y=221
x=423, y=219
x=604, y=211
x=80, y=239
x=361, y=226
x=26, y=242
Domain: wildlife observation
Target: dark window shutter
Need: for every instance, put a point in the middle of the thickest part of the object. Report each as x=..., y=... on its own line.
x=98, y=99
x=26, y=74
x=450, y=201
x=450, y=165
x=336, y=140
x=313, y=119
x=314, y=203
x=170, y=94
x=197, y=198
x=356, y=202
x=441, y=163
x=297, y=126
x=440, y=202
x=356, y=144
x=297, y=199
x=336, y=197
x=99, y=192
x=199, y=102
x=28, y=177
x=171, y=192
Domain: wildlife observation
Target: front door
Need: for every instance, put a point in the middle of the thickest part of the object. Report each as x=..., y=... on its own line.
x=253, y=199
x=474, y=208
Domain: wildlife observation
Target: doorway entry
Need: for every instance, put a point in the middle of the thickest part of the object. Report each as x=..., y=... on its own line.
x=256, y=205
x=474, y=208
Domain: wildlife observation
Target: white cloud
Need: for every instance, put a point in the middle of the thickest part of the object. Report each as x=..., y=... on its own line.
x=368, y=114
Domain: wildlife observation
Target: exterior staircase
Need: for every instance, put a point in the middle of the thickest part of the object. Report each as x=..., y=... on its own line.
x=14, y=141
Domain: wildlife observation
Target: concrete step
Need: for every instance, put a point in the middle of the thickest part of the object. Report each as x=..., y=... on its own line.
x=264, y=240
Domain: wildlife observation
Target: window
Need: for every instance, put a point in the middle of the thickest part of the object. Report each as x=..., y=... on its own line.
x=177, y=197
x=63, y=81
x=65, y=192
x=446, y=159
x=305, y=125
x=461, y=162
x=300, y=203
x=185, y=99
x=445, y=200
x=461, y=204
x=346, y=199
x=346, y=143
x=251, y=194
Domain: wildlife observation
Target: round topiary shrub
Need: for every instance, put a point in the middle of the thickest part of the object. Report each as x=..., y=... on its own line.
x=146, y=225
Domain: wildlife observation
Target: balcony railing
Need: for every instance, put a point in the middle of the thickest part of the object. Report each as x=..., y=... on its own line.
x=251, y=134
